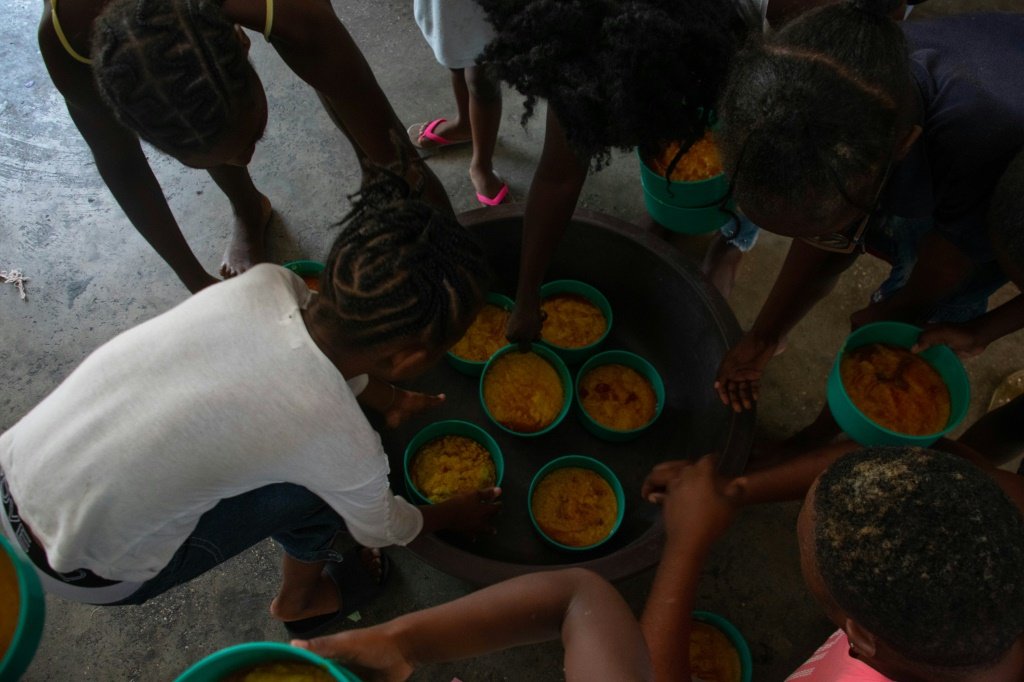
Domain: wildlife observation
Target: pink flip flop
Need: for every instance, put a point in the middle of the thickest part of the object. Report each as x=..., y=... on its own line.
x=496, y=199
x=427, y=133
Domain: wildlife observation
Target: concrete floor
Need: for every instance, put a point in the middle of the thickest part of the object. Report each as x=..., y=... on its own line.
x=92, y=276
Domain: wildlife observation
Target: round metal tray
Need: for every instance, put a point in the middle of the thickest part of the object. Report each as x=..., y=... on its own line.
x=664, y=311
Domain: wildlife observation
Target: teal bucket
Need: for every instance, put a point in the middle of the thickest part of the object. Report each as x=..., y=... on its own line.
x=31, y=614
x=572, y=356
x=563, y=374
x=582, y=462
x=220, y=664
x=450, y=427
x=473, y=368
x=635, y=362
x=735, y=638
x=686, y=207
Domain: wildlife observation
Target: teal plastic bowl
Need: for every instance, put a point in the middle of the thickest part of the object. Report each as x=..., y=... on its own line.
x=685, y=219
x=683, y=194
x=471, y=367
x=737, y=640
x=582, y=462
x=866, y=432
x=573, y=356
x=306, y=268
x=218, y=665
x=563, y=374
x=633, y=361
x=31, y=614
x=451, y=427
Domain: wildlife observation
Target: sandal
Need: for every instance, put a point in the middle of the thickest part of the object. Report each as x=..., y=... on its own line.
x=418, y=132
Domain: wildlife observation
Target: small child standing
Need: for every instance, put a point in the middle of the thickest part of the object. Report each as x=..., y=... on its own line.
x=457, y=31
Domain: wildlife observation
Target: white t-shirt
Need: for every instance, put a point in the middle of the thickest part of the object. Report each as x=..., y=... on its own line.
x=223, y=394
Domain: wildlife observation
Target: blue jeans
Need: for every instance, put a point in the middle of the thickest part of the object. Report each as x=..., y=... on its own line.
x=742, y=233
x=294, y=517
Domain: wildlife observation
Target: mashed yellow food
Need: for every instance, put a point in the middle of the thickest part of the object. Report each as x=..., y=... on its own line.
x=9, y=602
x=572, y=321
x=485, y=336
x=523, y=392
x=281, y=671
x=896, y=389
x=312, y=282
x=574, y=506
x=618, y=397
x=450, y=465
x=713, y=658
x=700, y=162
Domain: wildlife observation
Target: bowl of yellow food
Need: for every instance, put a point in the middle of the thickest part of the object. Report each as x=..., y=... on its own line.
x=718, y=652
x=576, y=503
x=577, y=319
x=22, y=611
x=265, y=662
x=449, y=458
x=619, y=395
x=881, y=393
x=526, y=392
x=309, y=270
x=485, y=336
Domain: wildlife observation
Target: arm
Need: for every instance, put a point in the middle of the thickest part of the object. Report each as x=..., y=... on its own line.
x=971, y=338
x=553, y=195
x=600, y=635
x=396, y=404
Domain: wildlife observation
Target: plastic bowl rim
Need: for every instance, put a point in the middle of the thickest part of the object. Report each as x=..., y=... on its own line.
x=495, y=454
x=593, y=362
x=560, y=368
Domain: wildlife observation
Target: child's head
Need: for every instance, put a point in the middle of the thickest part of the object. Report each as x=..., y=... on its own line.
x=1006, y=220
x=813, y=116
x=177, y=73
x=618, y=74
x=917, y=554
x=401, y=272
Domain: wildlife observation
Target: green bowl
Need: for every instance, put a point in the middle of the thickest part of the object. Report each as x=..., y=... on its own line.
x=866, y=432
x=582, y=462
x=570, y=286
x=451, y=427
x=682, y=194
x=686, y=219
x=471, y=367
x=305, y=268
x=563, y=374
x=737, y=640
x=31, y=614
x=633, y=361
x=219, y=664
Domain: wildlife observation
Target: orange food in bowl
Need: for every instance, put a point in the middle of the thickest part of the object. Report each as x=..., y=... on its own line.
x=280, y=671
x=700, y=162
x=312, y=281
x=713, y=658
x=618, y=397
x=485, y=336
x=572, y=321
x=896, y=389
x=450, y=465
x=523, y=392
x=574, y=506
x=10, y=603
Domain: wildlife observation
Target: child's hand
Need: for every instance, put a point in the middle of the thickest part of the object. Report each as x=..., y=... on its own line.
x=739, y=376
x=697, y=503
x=471, y=513
x=408, y=403
x=524, y=324
x=372, y=652
x=962, y=339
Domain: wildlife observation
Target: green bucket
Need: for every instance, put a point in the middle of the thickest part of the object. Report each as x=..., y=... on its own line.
x=735, y=638
x=222, y=663
x=633, y=361
x=571, y=356
x=472, y=367
x=866, y=432
x=31, y=614
x=450, y=427
x=581, y=462
x=686, y=207
x=563, y=374
x=306, y=269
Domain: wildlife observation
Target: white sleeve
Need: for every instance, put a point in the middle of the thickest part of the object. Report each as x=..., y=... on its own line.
x=358, y=384
x=375, y=516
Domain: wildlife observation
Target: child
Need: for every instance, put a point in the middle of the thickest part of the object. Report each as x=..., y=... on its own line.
x=457, y=31
x=905, y=172
x=233, y=417
x=205, y=107
x=914, y=554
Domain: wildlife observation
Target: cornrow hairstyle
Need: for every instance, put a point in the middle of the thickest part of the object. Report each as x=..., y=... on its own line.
x=173, y=71
x=925, y=551
x=401, y=268
x=811, y=114
x=1006, y=219
x=619, y=74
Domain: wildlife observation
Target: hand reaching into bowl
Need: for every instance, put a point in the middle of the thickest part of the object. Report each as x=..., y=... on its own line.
x=962, y=339
x=739, y=376
x=407, y=403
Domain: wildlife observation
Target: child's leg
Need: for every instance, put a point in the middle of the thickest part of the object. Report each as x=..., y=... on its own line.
x=306, y=591
x=455, y=129
x=252, y=214
x=485, y=116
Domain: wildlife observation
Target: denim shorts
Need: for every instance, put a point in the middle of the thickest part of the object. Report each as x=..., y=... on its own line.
x=740, y=233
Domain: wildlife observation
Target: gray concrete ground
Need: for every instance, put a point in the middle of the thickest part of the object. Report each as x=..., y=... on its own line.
x=92, y=277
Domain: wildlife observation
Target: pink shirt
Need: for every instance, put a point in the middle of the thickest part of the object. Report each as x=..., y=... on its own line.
x=832, y=663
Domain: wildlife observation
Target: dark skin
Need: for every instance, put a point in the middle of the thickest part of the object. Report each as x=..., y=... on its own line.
x=313, y=42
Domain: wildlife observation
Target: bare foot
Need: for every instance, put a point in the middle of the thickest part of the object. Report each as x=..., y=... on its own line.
x=246, y=247
x=454, y=131
x=486, y=182
x=320, y=597
x=721, y=261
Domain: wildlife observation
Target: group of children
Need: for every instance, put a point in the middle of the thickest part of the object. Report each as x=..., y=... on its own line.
x=239, y=414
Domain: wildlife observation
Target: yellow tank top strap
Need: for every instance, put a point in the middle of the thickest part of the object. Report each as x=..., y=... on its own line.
x=269, y=23
x=64, y=39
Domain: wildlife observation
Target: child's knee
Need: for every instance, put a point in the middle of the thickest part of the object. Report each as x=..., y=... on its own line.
x=483, y=84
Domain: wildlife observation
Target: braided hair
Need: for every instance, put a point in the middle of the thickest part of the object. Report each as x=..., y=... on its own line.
x=1006, y=219
x=401, y=268
x=811, y=115
x=925, y=551
x=618, y=74
x=172, y=70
